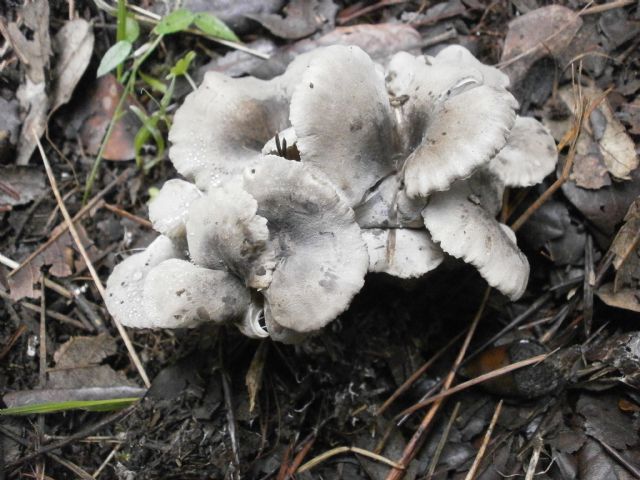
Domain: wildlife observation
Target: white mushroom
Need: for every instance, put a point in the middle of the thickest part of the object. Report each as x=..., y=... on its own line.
x=388, y=205
x=459, y=222
x=529, y=155
x=461, y=57
x=456, y=123
x=178, y=294
x=402, y=252
x=126, y=283
x=224, y=232
x=341, y=114
x=168, y=210
x=321, y=257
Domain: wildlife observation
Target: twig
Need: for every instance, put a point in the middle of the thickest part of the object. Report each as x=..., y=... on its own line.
x=623, y=461
x=123, y=213
x=587, y=289
x=411, y=449
x=476, y=381
x=606, y=7
x=90, y=267
x=338, y=450
x=106, y=461
x=15, y=336
x=485, y=441
x=297, y=460
x=114, y=417
x=417, y=374
x=65, y=463
x=535, y=457
x=62, y=228
x=442, y=443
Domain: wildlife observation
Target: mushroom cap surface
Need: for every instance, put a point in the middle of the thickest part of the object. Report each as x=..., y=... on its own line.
x=192, y=296
x=529, y=155
x=321, y=259
x=401, y=252
x=126, y=283
x=464, y=229
x=453, y=123
x=168, y=210
x=224, y=232
x=341, y=114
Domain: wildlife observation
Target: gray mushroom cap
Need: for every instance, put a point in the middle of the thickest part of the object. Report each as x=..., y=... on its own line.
x=224, y=232
x=341, y=114
x=459, y=222
x=126, y=283
x=321, y=259
x=402, y=252
x=178, y=294
x=453, y=122
x=460, y=56
x=529, y=155
x=221, y=128
x=389, y=206
x=168, y=210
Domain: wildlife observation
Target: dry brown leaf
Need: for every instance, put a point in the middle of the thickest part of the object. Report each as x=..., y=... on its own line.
x=546, y=31
x=301, y=18
x=253, y=380
x=92, y=118
x=34, y=54
x=60, y=256
x=74, y=45
x=20, y=184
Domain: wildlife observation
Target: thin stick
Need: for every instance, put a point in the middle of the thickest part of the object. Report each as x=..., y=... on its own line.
x=12, y=341
x=485, y=441
x=476, y=381
x=442, y=442
x=338, y=450
x=106, y=461
x=417, y=374
x=623, y=461
x=123, y=213
x=606, y=6
x=43, y=337
x=62, y=228
x=411, y=449
x=87, y=261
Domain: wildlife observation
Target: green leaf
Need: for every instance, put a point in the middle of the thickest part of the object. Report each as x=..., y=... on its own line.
x=53, y=407
x=212, y=25
x=182, y=66
x=176, y=21
x=117, y=54
x=153, y=82
x=131, y=29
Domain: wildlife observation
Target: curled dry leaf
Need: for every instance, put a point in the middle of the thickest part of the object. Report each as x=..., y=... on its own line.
x=73, y=44
x=34, y=54
x=624, y=291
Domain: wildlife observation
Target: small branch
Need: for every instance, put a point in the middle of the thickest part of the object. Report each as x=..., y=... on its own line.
x=485, y=441
x=476, y=381
x=338, y=450
x=90, y=267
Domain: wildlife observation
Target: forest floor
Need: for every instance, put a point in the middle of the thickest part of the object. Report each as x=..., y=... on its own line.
x=221, y=405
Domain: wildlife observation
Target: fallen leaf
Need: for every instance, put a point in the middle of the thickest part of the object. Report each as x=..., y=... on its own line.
x=625, y=298
x=231, y=12
x=92, y=116
x=546, y=31
x=20, y=184
x=74, y=45
x=253, y=379
x=33, y=53
x=595, y=464
x=301, y=18
x=9, y=128
x=77, y=364
x=604, y=421
x=630, y=115
x=59, y=256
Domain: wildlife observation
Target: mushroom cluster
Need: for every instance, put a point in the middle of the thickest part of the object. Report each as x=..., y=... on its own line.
x=372, y=168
